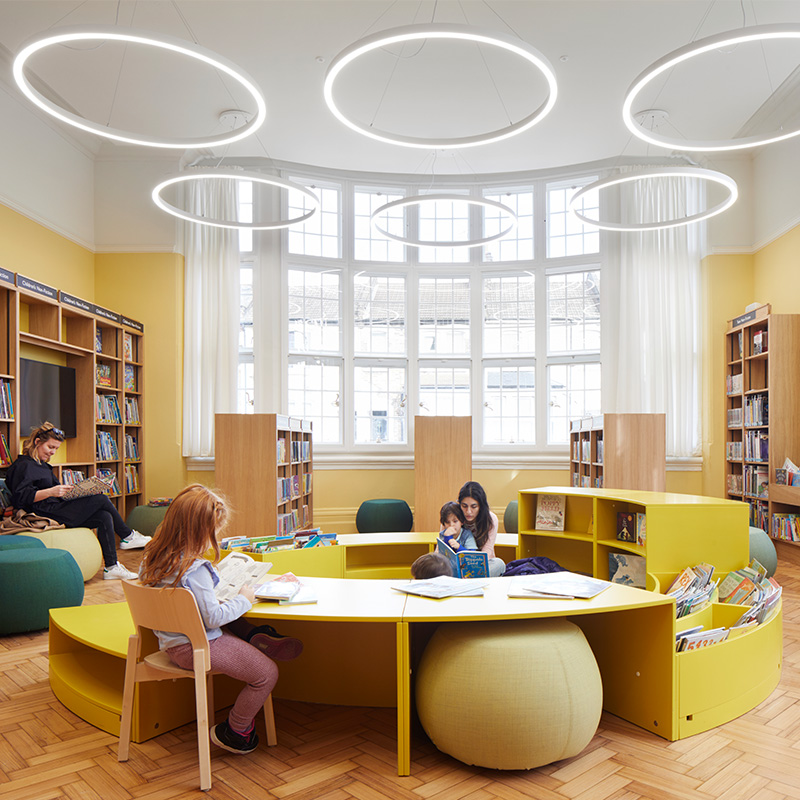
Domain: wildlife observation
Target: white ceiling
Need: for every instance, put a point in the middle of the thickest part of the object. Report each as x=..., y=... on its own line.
x=596, y=47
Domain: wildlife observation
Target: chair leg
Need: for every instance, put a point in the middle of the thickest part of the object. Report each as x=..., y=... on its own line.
x=126, y=720
x=269, y=722
x=203, y=743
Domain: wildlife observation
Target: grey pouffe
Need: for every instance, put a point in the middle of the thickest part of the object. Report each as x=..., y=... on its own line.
x=146, y=519
x=32, y=581
x=514, y=694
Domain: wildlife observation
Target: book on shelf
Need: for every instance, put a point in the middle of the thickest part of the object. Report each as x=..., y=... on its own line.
x=563, y=585
x=627, y=569
x=129, y=377
x=6, y=405
x=626, y=526
x=550, y=511
x=94, y=485
x=107, y=409
x=237, y=570
x=5, y=453
x=109, y=476
x=102, y=374
x=759, y=343
x=132, y=411
x=127, y=346
x=98, y=340
x=467, y=563
x=444, y=586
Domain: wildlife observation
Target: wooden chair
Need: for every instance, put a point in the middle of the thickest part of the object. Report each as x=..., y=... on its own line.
x=172, y=610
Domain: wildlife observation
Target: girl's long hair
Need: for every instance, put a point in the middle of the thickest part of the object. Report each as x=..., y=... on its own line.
x=483, y=522
x=191, y=525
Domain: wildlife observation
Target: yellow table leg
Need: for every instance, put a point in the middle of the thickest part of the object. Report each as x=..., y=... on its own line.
x=403, y=700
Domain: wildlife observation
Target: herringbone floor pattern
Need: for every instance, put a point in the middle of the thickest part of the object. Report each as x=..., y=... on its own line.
x=334, y=753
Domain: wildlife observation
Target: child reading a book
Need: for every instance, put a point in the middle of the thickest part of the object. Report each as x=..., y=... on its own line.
x=453, y=532
x=36, y=489
x=191, y=526
x=431, y=565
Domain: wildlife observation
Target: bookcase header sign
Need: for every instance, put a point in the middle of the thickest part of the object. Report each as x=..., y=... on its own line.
x=748, y=317
x=131, y=323
x=76, y=302
x=34, y=286
x=6, y=276
x=106, y=314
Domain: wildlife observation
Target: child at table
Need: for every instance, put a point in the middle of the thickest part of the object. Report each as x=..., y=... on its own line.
x=453, y=532
x=192, y=525
x=431, y=565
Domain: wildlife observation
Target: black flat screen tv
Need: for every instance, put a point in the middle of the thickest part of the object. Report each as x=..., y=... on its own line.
x=46, y=394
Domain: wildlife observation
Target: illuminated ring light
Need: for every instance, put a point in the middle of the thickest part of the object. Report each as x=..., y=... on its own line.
x=105, y=33
x=256, y=177
x=756, y=33
x=441, y=31
x=417, y=199
x=680, y=172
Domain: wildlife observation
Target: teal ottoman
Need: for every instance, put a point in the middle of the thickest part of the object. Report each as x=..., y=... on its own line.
x=32, y=581
x=19, y=542
x=384, y=516
x=762, y=549
x=146, y=519
x=511, y=518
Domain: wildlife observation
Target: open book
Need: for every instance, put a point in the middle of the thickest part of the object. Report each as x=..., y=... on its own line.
x=90, y=486
x=237, y=570
x=444, y=586
x=556, y=586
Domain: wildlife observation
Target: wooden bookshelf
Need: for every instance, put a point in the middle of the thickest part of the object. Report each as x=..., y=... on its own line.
x=42, y=323
x=257, y=456
x=619, y=451
x=762, y=355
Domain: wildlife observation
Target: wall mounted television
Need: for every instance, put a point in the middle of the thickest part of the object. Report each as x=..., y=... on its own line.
x=46, y=393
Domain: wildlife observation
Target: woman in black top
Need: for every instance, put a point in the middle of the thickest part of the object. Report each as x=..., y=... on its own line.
x=34, y=488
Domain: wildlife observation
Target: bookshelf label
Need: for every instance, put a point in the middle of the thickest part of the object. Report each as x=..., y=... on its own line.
x=31, y=285
x=748, y=317
x=106, y=314
x=76, y=302
x=131, y=323
x=7, y=277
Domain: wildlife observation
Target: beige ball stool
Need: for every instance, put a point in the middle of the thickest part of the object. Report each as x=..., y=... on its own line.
x=80, y=542
x=514, y=694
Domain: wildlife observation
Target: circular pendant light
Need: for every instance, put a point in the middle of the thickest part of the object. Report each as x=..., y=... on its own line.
x=668, y=172
x=161, y=41
x=441, y=31
x=201, y=175
x=757, y=33
x=418, y=199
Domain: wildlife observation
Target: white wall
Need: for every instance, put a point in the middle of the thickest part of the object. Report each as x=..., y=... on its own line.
x=44, y=174
x=776, y=208
x=732, y=231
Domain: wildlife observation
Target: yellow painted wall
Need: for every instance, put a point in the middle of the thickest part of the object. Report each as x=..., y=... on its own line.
x=36, y=252
x=149, y=288
x=776, y=273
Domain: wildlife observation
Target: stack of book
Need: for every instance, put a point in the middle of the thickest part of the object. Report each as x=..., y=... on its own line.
x=6, y=406
x=107, y=409
x=695, y=638
x=692, y=589
x=132, y=411
x=131, y=448
x=109, y=477
x=5, y=453
x=106, y=447
x=749, y=586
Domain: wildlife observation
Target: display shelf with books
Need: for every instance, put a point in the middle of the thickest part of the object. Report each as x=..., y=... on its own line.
x=283, y=477
x=45, y=324
x=622, y=451
x=762, y=368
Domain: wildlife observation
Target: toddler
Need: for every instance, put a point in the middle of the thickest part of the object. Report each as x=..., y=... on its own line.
x=453, y=532
x=431, y=565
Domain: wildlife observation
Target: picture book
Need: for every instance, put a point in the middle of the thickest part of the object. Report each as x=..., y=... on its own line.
x=282, y=588
x=237, y=570
x=93, y=485
x=550, y=509
x=641, y=528
x=627, y=569
x=467, y=563
x=127, y=346
x=561, y=584
x=626, y=530
x=130, y=378
x=444, y=586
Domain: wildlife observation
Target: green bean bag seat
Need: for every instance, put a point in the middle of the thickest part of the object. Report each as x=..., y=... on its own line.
x=81, y=543
x=509, y=695
x=762, y=548
x=32, y=581
x=17, y=541
x=146, y=519
x=384, y=516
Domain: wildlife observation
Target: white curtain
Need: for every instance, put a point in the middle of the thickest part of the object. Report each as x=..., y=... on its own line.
x=211, y=315
x=658, y=353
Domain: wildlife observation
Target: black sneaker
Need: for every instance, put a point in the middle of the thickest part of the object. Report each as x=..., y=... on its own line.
x=225, y=737
x=274, y=645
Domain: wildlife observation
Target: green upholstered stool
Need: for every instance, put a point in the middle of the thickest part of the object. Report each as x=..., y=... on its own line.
x=146, y=519
x=762, y=548
x=515, y=694
x=32, y=581
x=384, y=516
x=81, y=543
x=510, y=518
x=18, y=541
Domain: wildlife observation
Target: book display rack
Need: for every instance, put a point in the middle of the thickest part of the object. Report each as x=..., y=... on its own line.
x=41, y=323
x=762, y=353
x=270, y=489
x=618, y=451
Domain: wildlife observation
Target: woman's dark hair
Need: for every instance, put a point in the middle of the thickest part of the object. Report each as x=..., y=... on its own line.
x=431, y=565
x=483, y=522
x=451, y=509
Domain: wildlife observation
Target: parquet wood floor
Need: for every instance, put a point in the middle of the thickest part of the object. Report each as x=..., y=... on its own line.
x=335, y=753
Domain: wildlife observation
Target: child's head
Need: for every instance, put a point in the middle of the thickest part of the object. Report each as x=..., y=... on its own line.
x=451, y=516
x=431, y=565
x=193, y=521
